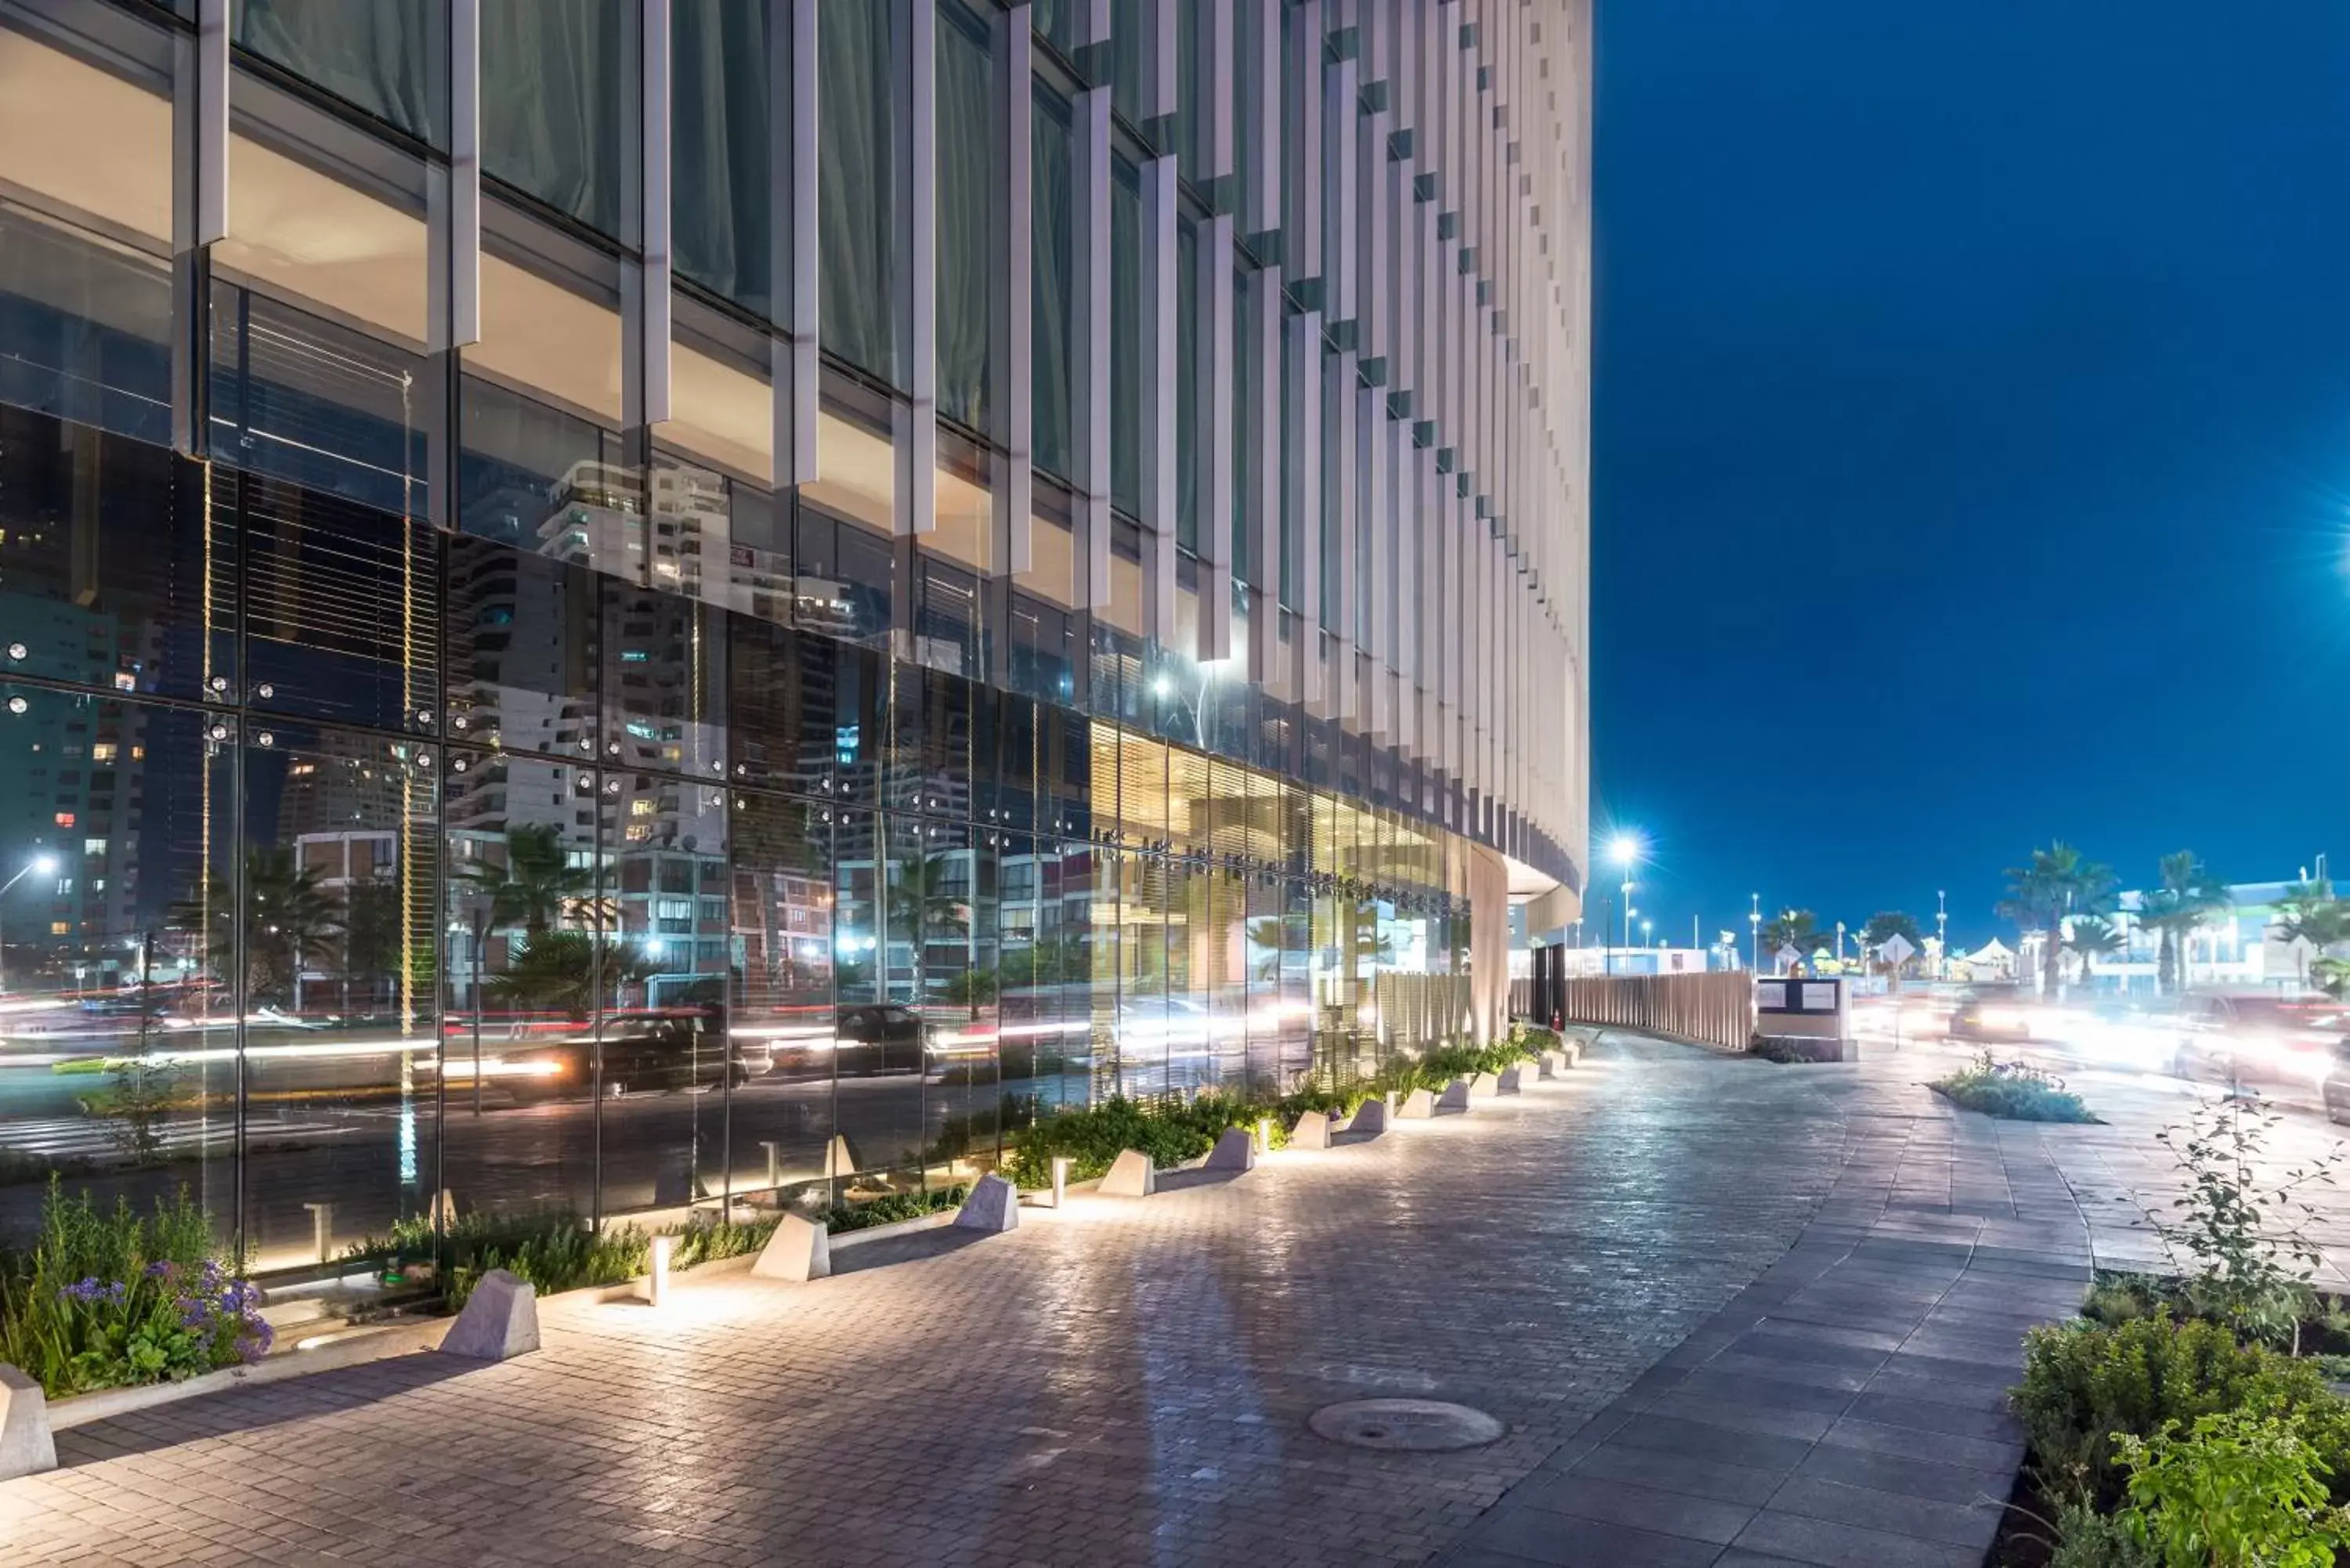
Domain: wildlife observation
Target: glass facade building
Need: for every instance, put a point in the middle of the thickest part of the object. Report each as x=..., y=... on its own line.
x=627, y=604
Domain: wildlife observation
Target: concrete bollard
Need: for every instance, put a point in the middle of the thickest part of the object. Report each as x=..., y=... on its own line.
x=1312, y=1131
x=839, y=1160
x=1235, y=1150
x=1455, y=1096
x=799, y=1250
x=1131, y=1175
x=500, y=1321
x=1483, y=1085
x=1509, y=1082
x=27, y=1446
x=1370, y=1117
x=1418, y=1106
x=1549, y=1066
x=994, y=1206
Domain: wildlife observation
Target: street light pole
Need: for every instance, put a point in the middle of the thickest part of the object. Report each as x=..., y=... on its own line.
x=40, y=864
x=1941, y=932
x=1755, y=935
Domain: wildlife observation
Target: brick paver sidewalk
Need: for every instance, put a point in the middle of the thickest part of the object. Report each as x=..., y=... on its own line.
x=1130, y=1383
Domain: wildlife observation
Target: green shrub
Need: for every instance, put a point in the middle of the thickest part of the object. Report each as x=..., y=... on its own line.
x=2085, y=1383
x=2244, y=1236
x=888, y=1210
x=555, y=1251
x=2011, y=1096
x=2244, y=1488
x=2087, y=1539
x=109, y=1298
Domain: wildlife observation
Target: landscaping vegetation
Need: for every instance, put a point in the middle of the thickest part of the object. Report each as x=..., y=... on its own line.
x=108, y=1298
x=2190, y=1421
x=1174, y=1131
x=2016, y=1091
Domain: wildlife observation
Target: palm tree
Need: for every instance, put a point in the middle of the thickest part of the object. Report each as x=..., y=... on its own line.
x=291, y=923
x=2059, y=883
x=1796, y=928
x=2189, y=896
x=2309, y=912
x=2094, y=937
x=537, y=883
x=558, y=972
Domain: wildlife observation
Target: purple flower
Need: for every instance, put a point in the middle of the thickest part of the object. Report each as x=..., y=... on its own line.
x=163, y=1269
x=251, y=1348
x=91, y=1291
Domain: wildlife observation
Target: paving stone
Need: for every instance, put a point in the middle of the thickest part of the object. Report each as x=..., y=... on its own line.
x=1538, y=1537
x=1834, y=1546
x=1953, y=1523
x=1679, y=1473
x=1911, y=1478
x=1638, y=1506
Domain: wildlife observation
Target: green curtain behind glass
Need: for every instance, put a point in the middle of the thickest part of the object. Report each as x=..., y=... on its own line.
x=969, y=173
x=379, y=55
x=855, y=186
x=1051, y=286
x=552, y=76
x=719, y=141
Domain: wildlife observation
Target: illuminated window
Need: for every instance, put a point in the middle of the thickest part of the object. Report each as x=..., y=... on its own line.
x=65, y=819
x=93, y=847
x=640, y=807
x=60, y=928
x=103, y=751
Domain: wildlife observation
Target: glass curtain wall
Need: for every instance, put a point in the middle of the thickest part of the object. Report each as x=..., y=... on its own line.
x=601, y=852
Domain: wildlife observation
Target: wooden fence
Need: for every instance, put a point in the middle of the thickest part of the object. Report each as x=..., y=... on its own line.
x=1711, y=1009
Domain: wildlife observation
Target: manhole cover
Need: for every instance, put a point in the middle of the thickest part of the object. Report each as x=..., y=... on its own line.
x=1411, y=1425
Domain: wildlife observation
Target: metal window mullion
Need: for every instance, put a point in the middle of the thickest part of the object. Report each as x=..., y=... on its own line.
x=1341, y=236
x=793, y=227
x=1162, y=77
x=199, y=141
x=917, y=88
x=1093, y=347
x=1216, y=390
x=1403, y=369
x=1017, y=84
x=1338, y=370
x=1264, y=533
x=653, y=124
x=1222, y=66
x=1304, y=139
x=1160, y=380
x=1304, y=487
x=1376, y=303
x=1262, y=142
x=457, y=262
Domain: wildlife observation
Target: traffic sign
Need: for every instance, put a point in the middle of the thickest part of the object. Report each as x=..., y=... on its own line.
x=1896, y=950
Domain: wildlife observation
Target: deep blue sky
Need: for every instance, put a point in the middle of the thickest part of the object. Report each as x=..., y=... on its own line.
x=1971, y=446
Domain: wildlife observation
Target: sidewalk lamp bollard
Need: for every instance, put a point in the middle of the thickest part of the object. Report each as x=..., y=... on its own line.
x=1264, y=1135
x=322, y=1225
x=656, y=1282
x=1060, y=1178
x=774, y=1162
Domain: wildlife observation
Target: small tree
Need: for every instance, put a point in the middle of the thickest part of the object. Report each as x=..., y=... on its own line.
x=2093, y=937
x=2243, y=1233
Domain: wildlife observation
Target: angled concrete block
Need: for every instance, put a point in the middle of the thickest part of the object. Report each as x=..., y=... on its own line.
x=26, y=1446
x=500, y=1321
x=1370, y=1117
x=1312, y=1131
x=993, y=1204
x=799, y=1250
x=1418, y=1106
x=1483, y=1085
x=1131, y=1175
x=839, y=1160
x=1235, y=1150
x=1550, y=1065
x=1509, y=1082
x=1455, y=1096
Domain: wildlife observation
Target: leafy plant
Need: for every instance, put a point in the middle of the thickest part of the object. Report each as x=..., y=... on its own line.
x=895, y=1207
x=2085, y=1385
x=2058, y=883
x=2016, y=1091
x=108, y=1298
x=2243, y=1234
x=2089, y=1539
x=2189, y=896
x=553, y=1249
x=2242, y=1489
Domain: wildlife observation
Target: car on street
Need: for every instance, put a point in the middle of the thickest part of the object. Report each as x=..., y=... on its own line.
x=2257, y=1041
x=652, y=1051
x=1993, y=1013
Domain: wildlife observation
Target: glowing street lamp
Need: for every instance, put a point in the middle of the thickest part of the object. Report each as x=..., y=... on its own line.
x=43, y=865
x=1625, y=849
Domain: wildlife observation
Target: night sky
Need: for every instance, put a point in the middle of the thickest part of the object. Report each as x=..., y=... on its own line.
x=1972, y=446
